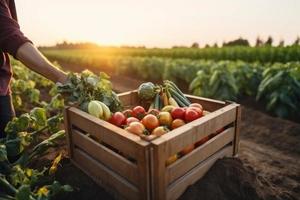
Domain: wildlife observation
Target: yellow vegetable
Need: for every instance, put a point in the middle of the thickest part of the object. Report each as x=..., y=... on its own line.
x=173, y=102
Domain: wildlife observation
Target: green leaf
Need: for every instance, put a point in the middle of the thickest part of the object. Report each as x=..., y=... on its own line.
x=23, y=193
x=34, y=95
x=39, y=115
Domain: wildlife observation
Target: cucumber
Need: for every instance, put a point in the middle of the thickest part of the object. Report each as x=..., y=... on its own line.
x=174, y=86
x=179, y=102
x=178, y=96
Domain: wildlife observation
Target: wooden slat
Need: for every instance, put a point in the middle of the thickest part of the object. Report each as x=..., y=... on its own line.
x=106, y=132
x=104, y=176
x=128, y=98
x=237, y=130
x=106, y=156
x=184, y=136
x=68, y=132
x=179, y=186
x=189, y=161
x=208, y=104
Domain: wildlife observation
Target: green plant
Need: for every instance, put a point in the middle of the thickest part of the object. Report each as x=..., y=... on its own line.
x=280, y=89
x=218, y=83
x=22, y=146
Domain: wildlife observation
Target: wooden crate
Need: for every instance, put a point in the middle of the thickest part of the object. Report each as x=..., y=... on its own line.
x=135, y=168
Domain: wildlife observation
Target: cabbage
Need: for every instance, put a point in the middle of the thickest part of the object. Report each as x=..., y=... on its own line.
x=146, y=91
x=95, y=109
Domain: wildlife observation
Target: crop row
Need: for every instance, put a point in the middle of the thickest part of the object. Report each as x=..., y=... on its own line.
x=275, y=85
x=265, y=54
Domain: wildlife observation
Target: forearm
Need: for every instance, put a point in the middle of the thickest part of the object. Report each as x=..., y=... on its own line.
x=33, y=59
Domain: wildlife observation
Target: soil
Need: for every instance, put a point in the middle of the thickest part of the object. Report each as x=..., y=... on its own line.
x=268, y=166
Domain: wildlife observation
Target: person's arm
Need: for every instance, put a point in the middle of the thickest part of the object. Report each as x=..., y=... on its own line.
x=13, y=41
x=30, y=56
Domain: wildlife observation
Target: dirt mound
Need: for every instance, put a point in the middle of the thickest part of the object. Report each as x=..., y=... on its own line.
x=229, y=179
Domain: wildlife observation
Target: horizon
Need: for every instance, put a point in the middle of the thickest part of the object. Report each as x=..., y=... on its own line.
x=164, y=24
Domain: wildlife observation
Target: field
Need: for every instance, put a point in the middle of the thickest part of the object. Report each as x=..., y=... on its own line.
x=274, y=85
x=265, y=81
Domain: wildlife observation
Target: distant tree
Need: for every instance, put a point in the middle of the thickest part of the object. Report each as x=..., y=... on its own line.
x=206, y=46
x=215, y=45
x=195, y=45
x=238, y=42
x=281, y=43
x=258, y=42
x=297, y=41
x=269, y=41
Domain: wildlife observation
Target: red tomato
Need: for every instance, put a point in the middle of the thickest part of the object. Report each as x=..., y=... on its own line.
x=200, y=111
x=127, y=113
x=118, y=119
x=160, y=131
x=136, y=128
x=138, y=112
x=153, y=111
x=197, y=105
x=178, y=113
x=131, y=119
x=150, y=122
x=191, y=115
x=177, y=123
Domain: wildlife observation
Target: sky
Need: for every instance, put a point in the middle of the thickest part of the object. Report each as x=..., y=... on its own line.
x=158, y=23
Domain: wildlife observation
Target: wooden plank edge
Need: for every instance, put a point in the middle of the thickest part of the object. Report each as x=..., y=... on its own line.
x=68, y=131
x=237, y=130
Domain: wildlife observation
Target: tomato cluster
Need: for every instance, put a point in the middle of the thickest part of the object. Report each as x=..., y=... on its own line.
x=155, y=122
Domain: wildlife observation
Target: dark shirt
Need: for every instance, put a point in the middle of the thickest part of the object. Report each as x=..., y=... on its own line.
x=11, y=38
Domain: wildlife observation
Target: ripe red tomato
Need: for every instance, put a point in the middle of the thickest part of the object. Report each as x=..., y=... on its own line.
x=178, y=113
x=127, y=113
x=131, y=119
x=158, y=131
x=118, y=119
x=177, y=123
x=138, y=112
x=153, y=111
x=191, y=115
x=197, y=105
x=200, y=111
x=136, y=128
x=150, y=122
